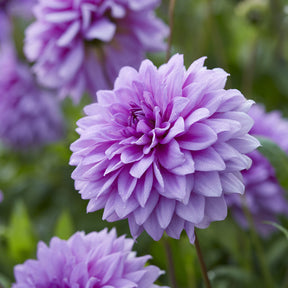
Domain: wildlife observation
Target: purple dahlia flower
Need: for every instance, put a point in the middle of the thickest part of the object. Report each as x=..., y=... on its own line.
x=163, y=147
x=98, y=259
x=81, y=45
x=29, y=116
x=264, y=197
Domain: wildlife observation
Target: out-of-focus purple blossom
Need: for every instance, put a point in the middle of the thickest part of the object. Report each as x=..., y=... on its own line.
x=81, y=45
x=163, y=148
x=10, y=9
x=264, y=197
x=29, y=116
x=17, y=8
x=1, y=196
x=5, y=24
x=93, y=260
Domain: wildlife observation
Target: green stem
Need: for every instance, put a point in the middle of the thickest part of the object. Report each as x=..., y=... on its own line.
x=170, y=262
x=216, y=37
x=249, y=70
x=258, y=247
x=171, y=24
x=202, y=263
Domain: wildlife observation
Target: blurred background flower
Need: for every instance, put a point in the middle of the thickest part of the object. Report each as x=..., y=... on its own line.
x=10, y=10
x=264, y=197
x=80, y=46
x=29, y=115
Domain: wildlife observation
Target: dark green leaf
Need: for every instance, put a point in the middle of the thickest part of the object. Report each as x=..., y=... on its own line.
x=20, y=234
x=279, y=227
x=278, y=159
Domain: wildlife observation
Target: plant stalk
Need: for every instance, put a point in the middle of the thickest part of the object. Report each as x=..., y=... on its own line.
x=170, y=262
x=202, y=263
x=258, y=247
x=171, y=25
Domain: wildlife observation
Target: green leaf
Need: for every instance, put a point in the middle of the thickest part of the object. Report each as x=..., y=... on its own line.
x=64, y=226
x=279, y=227
x=20, y=234
x=278, y=159
x=232, y=273
x=4, y=282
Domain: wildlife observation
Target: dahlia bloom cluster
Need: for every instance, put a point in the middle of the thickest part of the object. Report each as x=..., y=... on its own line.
x=264, y=197
x=29, y=116
x=81, y=45
x=98, y=259
x=163, y=148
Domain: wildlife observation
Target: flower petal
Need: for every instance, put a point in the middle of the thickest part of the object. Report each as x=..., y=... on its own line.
x=164, y=212
x=208, y=160
x=207, y=184
x=199, y=137
x=194, y=211
x=103, y=30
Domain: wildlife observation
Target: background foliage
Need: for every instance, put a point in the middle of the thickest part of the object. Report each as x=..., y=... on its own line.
x=249, y=40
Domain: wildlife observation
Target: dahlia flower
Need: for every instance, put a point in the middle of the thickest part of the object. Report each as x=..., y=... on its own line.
x=163, y=148
x=98, y=259
x=81, y=45
x=264, y=197
x=29, y=116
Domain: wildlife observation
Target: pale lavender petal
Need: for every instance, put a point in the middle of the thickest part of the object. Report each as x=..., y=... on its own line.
x=165, y=211
x=208, y=160
x=199, y=137
x=208, y=184
x=103, y=30
x=176, y=227
x=170, y=156
x=153, y=228
x=193, y=211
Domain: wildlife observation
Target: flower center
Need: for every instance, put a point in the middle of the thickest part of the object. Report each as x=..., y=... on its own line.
x=135, y=114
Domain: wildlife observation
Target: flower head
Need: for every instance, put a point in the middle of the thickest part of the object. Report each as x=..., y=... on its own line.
x=98, y=259
x=29, y=116
x=81, y=45
x=163, y=147
x=264, y=197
